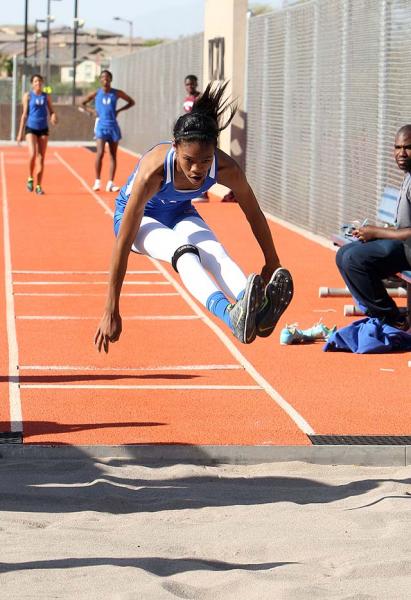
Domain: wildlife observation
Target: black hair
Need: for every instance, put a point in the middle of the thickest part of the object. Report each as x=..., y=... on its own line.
x=36, y=75
x=203, y=123
x=109, y=73
x=192, y=78
x=405, y=129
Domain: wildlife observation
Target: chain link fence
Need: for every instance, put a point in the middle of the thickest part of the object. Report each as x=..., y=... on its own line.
x=328, y=86
x=154, y=77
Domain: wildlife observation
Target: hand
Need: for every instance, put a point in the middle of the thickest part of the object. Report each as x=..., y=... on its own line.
x=367, y=233
x=19, y=138
x=108, y=331
x=53, y=119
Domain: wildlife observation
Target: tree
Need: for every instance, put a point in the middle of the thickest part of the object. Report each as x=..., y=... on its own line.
x=259, y=8
x=6, y=65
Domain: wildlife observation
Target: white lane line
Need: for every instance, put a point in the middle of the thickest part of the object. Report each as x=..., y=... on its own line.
x=62, y=386
x=88, y=283
x=81, y=272
x=131, y=318
x=84, y=183
x=298, y=419
x=62, y=294
x=16, y=420
x=130, y=369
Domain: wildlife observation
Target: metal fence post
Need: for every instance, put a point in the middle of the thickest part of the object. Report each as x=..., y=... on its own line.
x=286, y=113
x=312, y=205
x=382, y=102
x=14, y=101
x=341, y=205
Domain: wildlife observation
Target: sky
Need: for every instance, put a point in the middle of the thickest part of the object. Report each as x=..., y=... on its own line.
x=151, y=18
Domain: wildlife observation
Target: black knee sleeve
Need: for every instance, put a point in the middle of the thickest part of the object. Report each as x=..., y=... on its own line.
x=182, y=250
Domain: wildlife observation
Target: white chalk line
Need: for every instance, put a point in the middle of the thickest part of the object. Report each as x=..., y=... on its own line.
x=227, y=367
x=16, y=419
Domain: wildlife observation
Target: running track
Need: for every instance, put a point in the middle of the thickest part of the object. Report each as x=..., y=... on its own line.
x=176, y=376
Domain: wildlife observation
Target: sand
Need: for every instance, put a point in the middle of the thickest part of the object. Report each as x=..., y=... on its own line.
x=118, y=530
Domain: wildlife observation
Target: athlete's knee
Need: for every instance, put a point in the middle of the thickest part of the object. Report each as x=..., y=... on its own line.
x=190, y=248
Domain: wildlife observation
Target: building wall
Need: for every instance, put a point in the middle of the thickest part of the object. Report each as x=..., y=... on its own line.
x=154, y=77
x=228, y=20
x=72, y=126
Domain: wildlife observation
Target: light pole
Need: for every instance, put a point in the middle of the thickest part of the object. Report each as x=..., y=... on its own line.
x=76, y=24
x=49, y=19
x=37, y=35
x=130, y=34
x=73, y=99
x=26, y=16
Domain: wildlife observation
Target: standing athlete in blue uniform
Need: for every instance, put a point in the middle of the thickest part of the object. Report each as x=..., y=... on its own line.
x=107, y=128
x=34, y=123
x=154, y=216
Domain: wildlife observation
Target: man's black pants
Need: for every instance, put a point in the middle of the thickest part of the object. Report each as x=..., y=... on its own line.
x=363, y=266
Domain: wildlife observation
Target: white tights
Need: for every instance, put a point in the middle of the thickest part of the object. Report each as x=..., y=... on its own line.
x=158, y=241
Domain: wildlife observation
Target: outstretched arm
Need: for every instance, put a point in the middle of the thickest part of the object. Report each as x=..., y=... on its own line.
x=129, y=101
x=232, y=176
x=146, y=184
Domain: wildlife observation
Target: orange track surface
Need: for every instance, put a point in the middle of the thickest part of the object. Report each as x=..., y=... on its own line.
x=75, y=396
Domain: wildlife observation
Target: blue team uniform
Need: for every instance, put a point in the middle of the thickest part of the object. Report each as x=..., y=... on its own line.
x=168, y=205
x=106, y=124
x=37, y=112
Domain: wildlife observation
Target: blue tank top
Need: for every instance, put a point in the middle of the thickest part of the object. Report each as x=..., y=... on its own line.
x=37, y=116
x=167, y=198
x=105, y=103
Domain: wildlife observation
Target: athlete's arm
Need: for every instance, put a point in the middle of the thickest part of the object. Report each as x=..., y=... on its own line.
x=23, y=116
x=126, y=98
x=53, y=116
x=146, y=184
x=232, y=176
x=86, y=101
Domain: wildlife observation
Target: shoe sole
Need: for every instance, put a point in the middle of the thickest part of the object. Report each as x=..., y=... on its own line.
x=279, y=293
x=253, y=295
x=255, y=298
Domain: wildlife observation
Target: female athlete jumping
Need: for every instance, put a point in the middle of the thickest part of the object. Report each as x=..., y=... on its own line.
x=154, y=216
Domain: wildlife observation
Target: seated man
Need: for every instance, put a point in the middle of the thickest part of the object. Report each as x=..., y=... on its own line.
x=384, y=250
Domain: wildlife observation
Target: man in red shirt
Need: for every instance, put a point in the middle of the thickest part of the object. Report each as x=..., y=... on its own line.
x=191, y=84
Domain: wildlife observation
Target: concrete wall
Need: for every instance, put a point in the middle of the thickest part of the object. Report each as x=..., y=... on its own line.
x=228, y=20
x=72, y=125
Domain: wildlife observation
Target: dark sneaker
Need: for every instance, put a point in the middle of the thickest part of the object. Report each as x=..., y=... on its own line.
x=244, y=311
x=39, y=190
x=30, y=184
x=277, y=296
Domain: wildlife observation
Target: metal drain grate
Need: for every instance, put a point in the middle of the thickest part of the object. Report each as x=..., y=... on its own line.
x=11, y=437
x=360, y=440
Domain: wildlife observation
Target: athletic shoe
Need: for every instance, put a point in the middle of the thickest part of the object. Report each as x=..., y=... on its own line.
x=277, y=296
x=110, y=187
x=244, y=311
x=96, y=185
x=291, y=334
x=39, y=190
x=30, y=184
